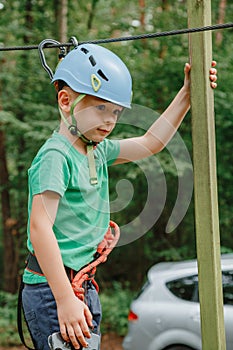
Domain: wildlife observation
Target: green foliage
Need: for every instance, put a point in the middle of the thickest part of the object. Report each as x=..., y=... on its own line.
x=29, y=114
x=115, y=307
x=8, y=326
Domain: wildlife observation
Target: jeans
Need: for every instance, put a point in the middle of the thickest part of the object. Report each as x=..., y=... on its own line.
x=41, y=313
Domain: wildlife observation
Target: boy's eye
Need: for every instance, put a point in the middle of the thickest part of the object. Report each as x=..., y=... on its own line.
x=117, y=112
x=101, y=107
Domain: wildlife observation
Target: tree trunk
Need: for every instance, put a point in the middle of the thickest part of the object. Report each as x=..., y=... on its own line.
x=142, y=7
x=92, y=13
x=9, y=225
x=221, y=19
x=61, y=15
x=11, y=239
x=165, y=5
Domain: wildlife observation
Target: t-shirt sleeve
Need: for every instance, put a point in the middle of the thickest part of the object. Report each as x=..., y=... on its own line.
x=49, y=173
x=112, y=150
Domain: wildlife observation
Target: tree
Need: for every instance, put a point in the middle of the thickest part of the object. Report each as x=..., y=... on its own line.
x=10, y=232
x=61, y=16
x=221, y=19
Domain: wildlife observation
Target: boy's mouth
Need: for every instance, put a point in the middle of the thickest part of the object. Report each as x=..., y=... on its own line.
x=104, y=131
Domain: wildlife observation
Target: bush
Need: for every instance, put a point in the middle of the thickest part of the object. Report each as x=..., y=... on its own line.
x=8, y=321
x=115, y=307
x=8, y=317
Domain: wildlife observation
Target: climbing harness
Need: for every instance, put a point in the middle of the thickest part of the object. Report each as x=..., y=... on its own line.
x=87, y=273
x=79, y=278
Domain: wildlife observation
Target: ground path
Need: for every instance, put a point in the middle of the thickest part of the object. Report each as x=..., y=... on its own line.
x=109, y=342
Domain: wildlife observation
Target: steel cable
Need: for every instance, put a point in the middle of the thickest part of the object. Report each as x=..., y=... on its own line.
x=126, y=38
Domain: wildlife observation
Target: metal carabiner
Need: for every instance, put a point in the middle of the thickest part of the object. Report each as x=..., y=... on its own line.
x=42, y=56
x=74, y=42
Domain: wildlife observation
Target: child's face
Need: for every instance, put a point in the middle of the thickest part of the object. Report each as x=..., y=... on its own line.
x=96, y=118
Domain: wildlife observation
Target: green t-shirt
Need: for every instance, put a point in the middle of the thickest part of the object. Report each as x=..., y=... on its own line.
x=83, y=212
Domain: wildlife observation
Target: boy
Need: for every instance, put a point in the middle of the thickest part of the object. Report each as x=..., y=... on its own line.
x=68, y=187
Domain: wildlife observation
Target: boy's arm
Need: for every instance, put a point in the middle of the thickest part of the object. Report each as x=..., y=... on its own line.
x=163, y=129
x=74, y=316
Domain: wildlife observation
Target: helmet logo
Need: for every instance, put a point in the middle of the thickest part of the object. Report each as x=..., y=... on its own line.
x=95, y=82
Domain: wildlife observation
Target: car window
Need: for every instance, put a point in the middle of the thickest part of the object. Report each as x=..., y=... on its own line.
x=227, y=280
x=187, y=288
x=184, y=288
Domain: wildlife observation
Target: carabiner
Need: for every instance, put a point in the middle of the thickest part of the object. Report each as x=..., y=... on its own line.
x=74, y=41
x=42, y=56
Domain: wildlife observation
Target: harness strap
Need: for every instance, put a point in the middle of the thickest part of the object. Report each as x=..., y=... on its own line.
x=32, y=264
x=92, y=167
x=19, y=317
x=89, y=143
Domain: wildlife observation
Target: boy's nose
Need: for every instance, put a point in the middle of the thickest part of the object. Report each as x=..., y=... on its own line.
x=110, y=118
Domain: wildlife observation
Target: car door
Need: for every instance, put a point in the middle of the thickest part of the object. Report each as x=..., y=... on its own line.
x=227, y=280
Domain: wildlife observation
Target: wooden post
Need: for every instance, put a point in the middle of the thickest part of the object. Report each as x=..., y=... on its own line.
x=205, y=180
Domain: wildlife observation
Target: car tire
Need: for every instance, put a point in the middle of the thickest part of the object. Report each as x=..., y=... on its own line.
x=179, y=347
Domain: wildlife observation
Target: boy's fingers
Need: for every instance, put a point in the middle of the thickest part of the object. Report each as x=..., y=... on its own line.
x=76, y=336
x=64, y=333
x=85, y=330
x=187, y=67
x=88, y=317
x=213, y=85
x=213, y=77
x=213, y=71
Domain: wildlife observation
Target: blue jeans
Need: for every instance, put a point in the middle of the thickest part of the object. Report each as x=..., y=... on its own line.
x=41, y=313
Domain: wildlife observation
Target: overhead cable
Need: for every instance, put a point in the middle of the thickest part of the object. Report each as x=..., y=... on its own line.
x=126, y=38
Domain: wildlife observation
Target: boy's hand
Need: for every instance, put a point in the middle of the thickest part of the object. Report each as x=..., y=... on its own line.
x=75, y=320
x=212, y=75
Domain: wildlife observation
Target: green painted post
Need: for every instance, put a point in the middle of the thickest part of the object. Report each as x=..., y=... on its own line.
x=205, y=180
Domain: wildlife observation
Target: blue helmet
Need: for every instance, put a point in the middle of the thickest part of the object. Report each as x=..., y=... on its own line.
x=94, y=70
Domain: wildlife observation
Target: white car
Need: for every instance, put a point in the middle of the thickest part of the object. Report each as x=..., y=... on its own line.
x=166, y=314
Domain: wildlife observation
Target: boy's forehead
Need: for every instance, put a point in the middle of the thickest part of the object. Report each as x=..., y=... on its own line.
x=99, y=101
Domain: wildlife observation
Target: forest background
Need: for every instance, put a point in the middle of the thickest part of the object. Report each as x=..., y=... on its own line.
x=28, y=115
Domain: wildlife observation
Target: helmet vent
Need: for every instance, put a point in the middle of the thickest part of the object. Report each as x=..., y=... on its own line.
x=92, y=60
x=102, y=75
x=83, y=49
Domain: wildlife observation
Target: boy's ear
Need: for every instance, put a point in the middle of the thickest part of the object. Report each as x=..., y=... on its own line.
x=64, y=100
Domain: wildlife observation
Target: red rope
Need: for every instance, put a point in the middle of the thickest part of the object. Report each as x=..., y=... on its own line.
x=103, y=250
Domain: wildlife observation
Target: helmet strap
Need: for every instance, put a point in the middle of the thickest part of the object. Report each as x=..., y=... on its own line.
x=72, y=127
x=89, y=143
x=91, y=163
x=74, y=104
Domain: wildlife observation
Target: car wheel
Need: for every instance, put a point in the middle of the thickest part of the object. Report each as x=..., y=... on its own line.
x=179, y=347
